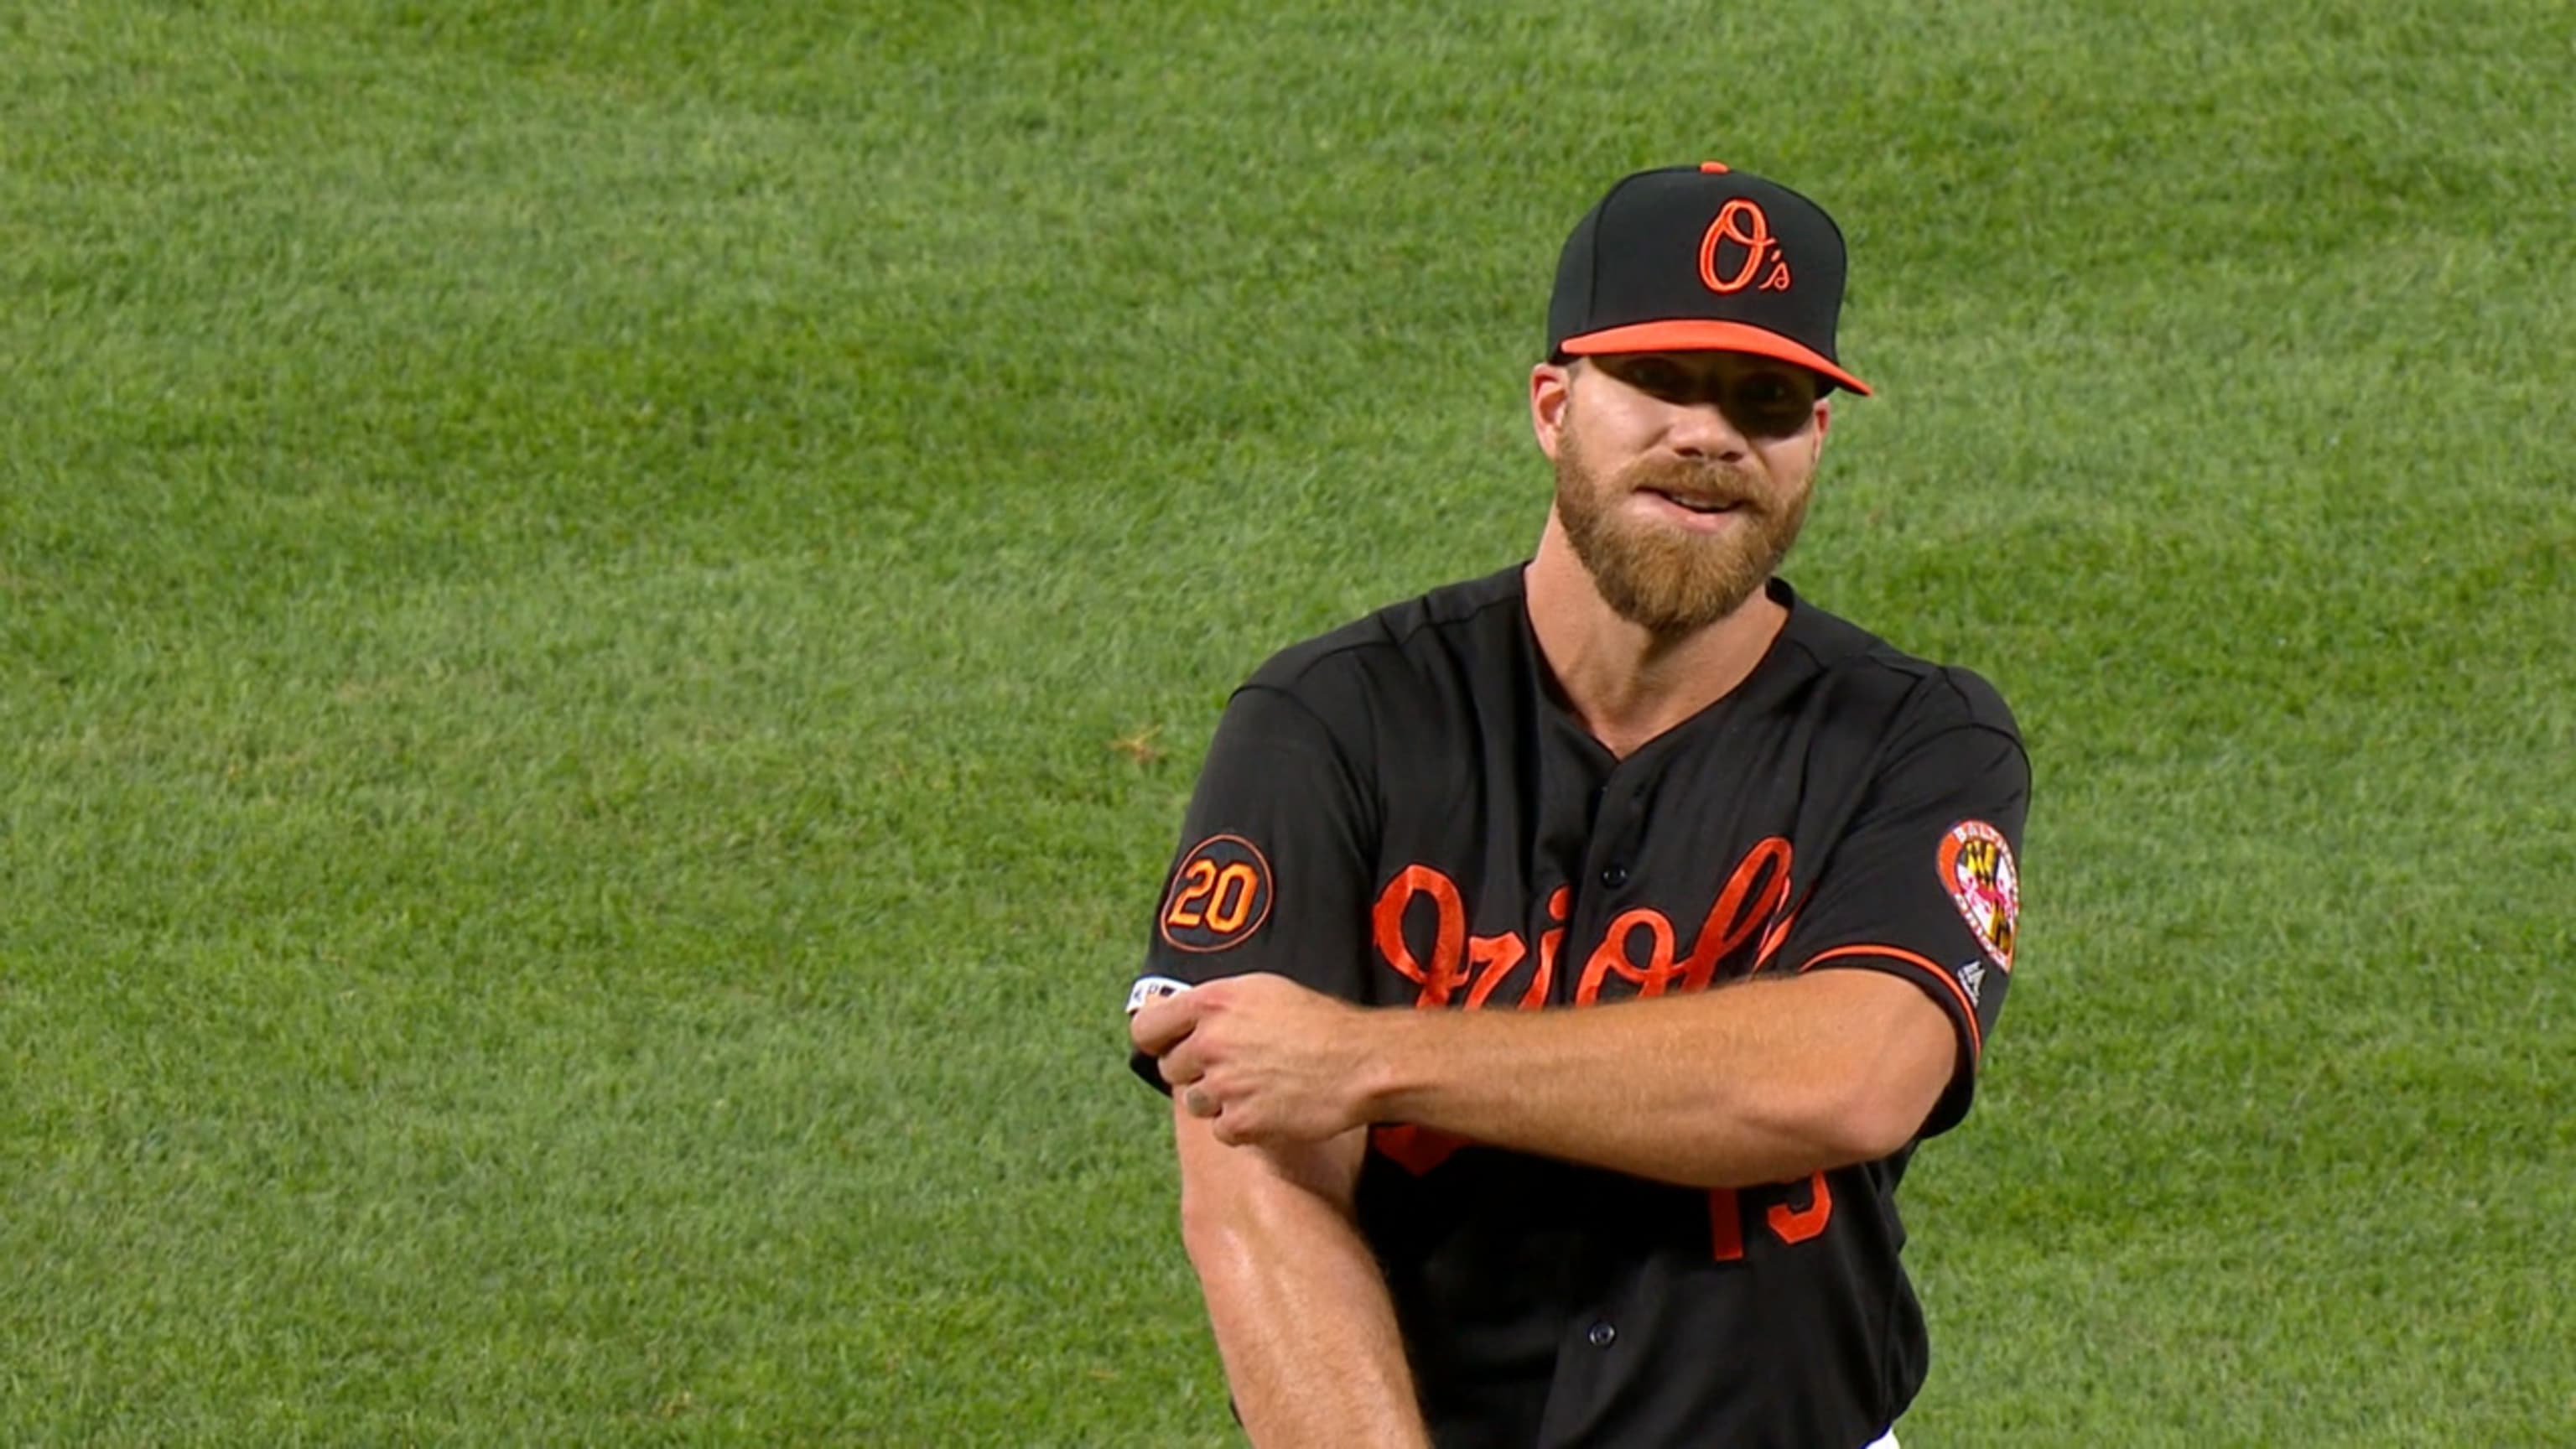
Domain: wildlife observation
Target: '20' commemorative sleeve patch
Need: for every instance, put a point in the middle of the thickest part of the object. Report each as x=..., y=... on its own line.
x=1977, y=870
x=1220, y=894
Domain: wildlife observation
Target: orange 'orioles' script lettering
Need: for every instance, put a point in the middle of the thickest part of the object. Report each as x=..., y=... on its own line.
x=1448, y=933
x=1788, y=1224
x=1753, y=895
x=1751, y=909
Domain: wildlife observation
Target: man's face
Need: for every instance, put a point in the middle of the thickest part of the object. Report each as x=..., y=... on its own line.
x=1682, y=478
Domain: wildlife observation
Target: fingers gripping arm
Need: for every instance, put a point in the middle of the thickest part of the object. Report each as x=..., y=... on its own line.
x=1300, y=1311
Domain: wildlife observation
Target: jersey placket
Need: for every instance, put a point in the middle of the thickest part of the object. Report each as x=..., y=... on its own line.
x=1605, y=881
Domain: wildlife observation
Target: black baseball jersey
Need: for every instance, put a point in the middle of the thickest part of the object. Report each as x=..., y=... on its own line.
x=1405, y=813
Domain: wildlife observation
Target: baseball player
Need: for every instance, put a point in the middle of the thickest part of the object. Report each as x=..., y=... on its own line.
x=1559, y=970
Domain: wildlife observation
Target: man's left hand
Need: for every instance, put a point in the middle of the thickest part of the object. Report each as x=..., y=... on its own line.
x=1263, y=1058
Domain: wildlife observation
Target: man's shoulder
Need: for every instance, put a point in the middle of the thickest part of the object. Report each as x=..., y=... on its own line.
x=1427, y=641
x=1862, y=674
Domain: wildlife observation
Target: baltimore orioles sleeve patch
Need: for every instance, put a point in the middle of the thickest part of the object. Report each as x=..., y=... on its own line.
x=1977, y=869
x=1220, y=895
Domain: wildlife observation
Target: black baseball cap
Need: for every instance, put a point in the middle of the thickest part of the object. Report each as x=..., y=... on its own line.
x=1702, y=259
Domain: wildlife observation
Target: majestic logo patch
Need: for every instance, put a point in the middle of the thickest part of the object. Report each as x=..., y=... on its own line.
x=1220, y=895
x=1740, y=241
x=1150, y=989
x=1972, y=975
x=1977, y=870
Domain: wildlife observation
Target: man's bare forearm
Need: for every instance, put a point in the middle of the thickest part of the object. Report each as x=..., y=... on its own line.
x=1300, y=1310
x=1759, y=1082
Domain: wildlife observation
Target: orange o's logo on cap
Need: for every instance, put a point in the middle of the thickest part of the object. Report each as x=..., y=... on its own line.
x=1744, y=234
x=1220, y=895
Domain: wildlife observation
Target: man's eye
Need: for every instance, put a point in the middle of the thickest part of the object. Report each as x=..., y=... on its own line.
x=1775, y=397
x=1661, y=378
x=1774, y=412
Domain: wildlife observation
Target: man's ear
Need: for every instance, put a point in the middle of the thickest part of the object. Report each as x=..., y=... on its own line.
x=1551, y=393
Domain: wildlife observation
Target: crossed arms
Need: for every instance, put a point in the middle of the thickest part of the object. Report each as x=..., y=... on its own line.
x=1274, y=1087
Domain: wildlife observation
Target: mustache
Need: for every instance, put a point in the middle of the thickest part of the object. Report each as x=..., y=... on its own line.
x=1711, y=483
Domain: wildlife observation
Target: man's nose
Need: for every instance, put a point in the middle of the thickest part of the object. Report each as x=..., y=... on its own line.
x=1701, y=429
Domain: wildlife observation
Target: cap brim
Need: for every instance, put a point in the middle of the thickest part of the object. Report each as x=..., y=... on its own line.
x=1700, y=335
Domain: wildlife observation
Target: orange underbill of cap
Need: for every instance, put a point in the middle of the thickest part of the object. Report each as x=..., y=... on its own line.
x=1701, y=335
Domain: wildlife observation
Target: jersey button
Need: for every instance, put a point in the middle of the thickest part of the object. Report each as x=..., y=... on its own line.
x=1601, y=1335
x=1615, y=877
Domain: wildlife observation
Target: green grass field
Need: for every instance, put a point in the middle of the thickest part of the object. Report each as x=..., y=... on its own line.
x=606, y=612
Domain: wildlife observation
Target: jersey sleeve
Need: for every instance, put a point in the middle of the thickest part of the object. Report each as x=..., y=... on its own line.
x=1271, y=872
x=1925, y=882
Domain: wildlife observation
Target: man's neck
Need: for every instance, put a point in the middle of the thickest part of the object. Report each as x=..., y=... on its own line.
x=1626, y=683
